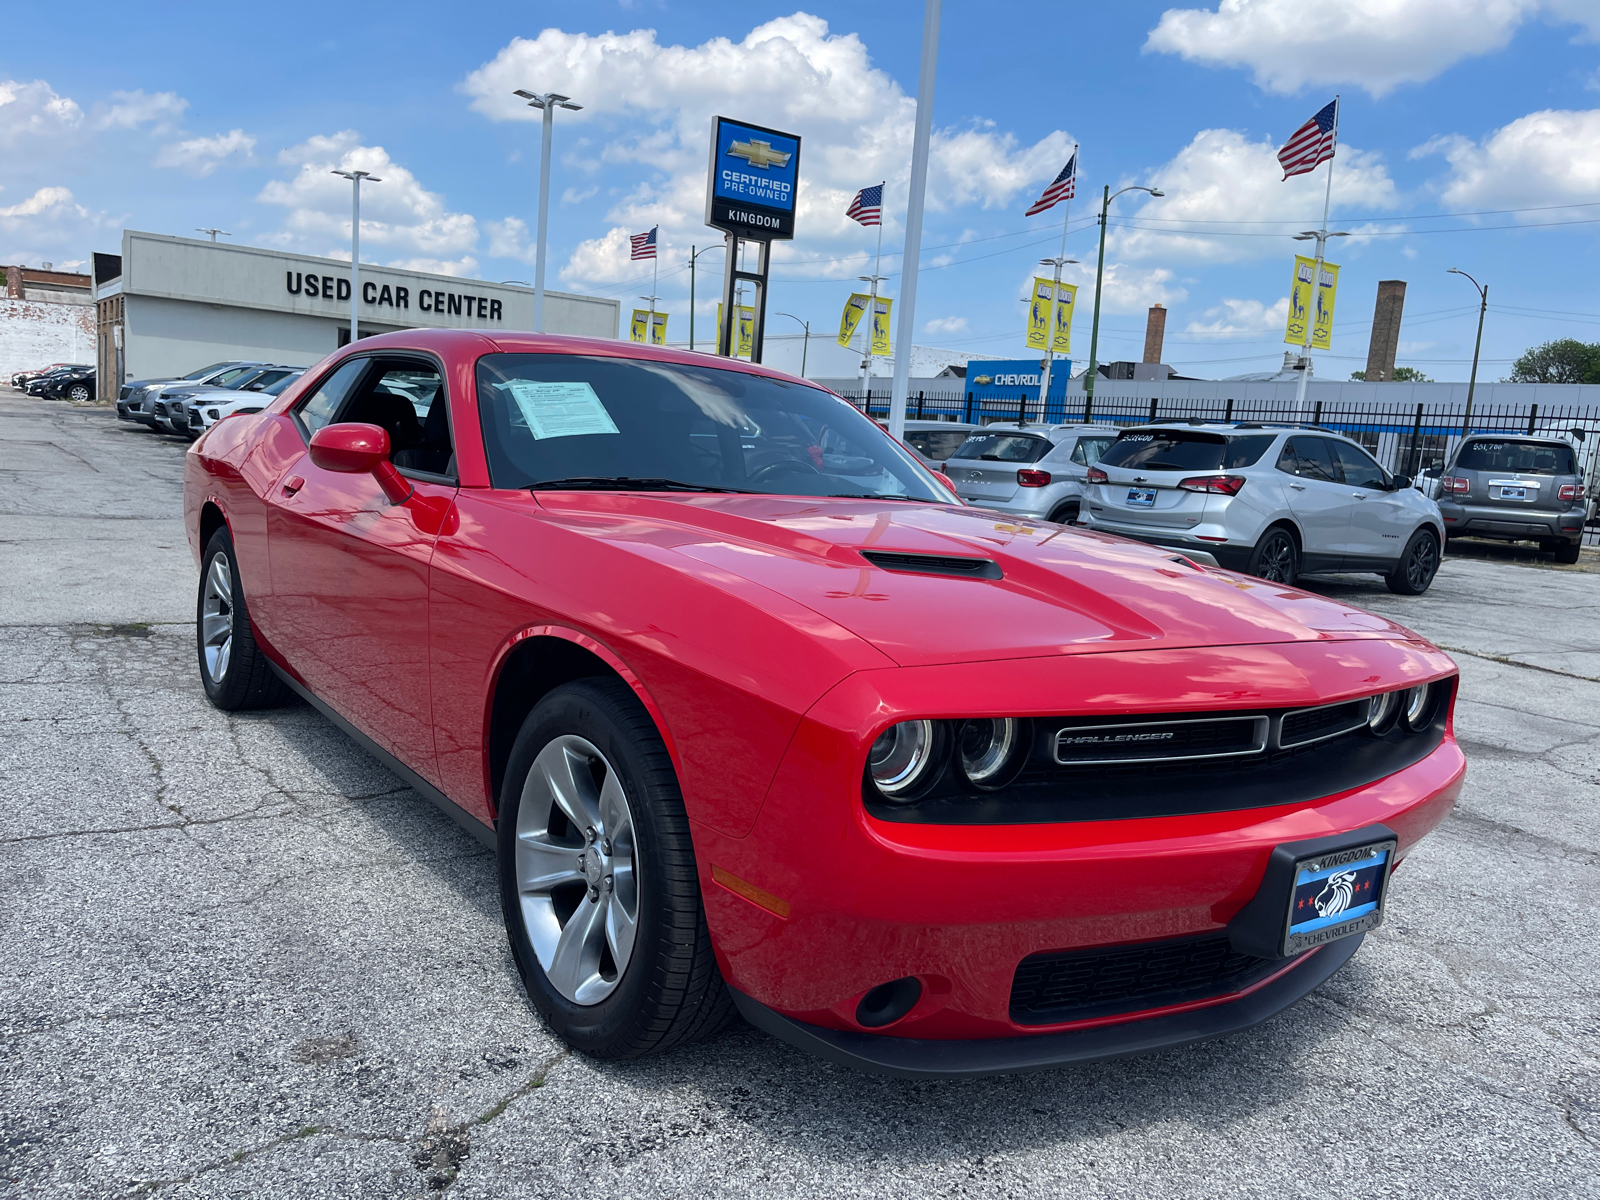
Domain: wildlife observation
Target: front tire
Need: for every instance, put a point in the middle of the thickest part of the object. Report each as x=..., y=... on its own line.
x=233, y=669
x=79, y=394
x=598, y=880
x=1275, y=558
x=1419, y=563
x=1567, y=552
x=1066, y=514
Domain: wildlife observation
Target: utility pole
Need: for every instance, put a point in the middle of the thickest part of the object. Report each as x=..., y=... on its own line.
x=805, y=346
x=1483, y=307
x=549, y=102
x=1099, y=279
x=214, y=232
x=911, y=261
x=355, y=178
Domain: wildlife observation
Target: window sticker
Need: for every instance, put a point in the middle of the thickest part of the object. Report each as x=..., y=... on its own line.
x=559, y=409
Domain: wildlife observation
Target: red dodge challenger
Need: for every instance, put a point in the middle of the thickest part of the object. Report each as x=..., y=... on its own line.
x=758, y=716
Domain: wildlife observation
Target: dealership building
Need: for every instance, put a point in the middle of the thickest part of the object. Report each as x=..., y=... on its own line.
x=167, y=305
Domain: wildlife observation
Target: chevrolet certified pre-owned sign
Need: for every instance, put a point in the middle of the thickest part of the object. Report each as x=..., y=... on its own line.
x=751, y=185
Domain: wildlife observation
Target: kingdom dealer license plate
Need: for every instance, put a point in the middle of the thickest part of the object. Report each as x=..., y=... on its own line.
x=1337, y=895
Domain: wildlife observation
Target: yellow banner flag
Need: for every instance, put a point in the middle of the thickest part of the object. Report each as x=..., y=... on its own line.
x=880, y=326
x=746, y=332
x=657, y=323
x=854, y=309
x=1315, y=303
x=1051, y=308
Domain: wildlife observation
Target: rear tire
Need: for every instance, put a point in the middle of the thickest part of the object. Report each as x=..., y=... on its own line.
x=233, y=669
x=1567, y=552
x=1275, y=558
x=610, y=991
x=1066, y=514
x=1419, y=563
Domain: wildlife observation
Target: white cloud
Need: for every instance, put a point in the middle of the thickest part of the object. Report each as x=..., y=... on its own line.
x=1376, y=44
x=655, y=103
x=945, y=325
x=397, y=214
x=44, y=200
x=1128, y=289
x=1233, y=318
x=129, y=110
x=34, y=110
x=202, y=155
x=50, y=224
x=465, y=266
x=1548, y=157
x=1221, y=182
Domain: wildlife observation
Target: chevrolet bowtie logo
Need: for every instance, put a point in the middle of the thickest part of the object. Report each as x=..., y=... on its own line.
x=759, y=154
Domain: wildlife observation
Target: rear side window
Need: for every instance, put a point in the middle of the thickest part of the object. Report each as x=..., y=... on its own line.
x=1184, y=450
x=1530, y=458
x=1309, y=458
x=1090, y=450
x=1359, y=468
x=936, y=443
x=1004, y=447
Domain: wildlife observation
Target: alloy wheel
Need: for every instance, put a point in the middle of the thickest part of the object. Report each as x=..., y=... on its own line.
x=1422, y=564
x=1277, y=559
x=216, y=618
x=577, y=869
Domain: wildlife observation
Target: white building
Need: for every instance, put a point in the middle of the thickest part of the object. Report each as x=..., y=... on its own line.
x=167, y=305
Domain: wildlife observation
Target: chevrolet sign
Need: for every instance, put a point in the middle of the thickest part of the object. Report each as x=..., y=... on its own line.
x=750, y=186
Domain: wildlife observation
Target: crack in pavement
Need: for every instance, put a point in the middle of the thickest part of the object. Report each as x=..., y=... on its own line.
x=1505, y=660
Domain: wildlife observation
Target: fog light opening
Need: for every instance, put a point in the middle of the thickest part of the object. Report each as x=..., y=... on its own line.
x=888, y=1002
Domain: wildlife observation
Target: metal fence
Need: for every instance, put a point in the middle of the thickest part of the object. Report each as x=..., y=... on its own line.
x=1406, y=439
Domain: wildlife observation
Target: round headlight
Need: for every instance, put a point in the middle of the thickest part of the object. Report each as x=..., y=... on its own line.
x=989, y=751
x=904, y=760
x=1382, y=713
x=1418, y=706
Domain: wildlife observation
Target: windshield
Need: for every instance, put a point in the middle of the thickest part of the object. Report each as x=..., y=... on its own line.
x=1529, y=458
x=1004, y=447
x=1184, y=450
x=567, y=420
x=277, y=389
x=204, y=371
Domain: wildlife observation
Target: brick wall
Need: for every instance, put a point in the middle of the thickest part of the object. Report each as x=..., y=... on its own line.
x=33, y=333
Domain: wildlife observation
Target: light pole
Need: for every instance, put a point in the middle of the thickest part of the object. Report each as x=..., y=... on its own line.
x=1321, y=236
x=805, y=346
x=693, y=256
x=355, y=178
x=1057, y=262
x=549, y=102
x=214, y=232
x=1483, y=307
x=921, y=137
x=1099, y=278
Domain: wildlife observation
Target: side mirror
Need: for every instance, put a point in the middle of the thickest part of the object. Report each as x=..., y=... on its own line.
x=358, y=449
x=1401, y=482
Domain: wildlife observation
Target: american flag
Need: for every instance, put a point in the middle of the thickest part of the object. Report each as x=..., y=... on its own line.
x=1061, y=188
x=1313, y=142
x=867, y=207
x=644, y=245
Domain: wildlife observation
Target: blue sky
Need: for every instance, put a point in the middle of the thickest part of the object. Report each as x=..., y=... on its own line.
x=1461, y=118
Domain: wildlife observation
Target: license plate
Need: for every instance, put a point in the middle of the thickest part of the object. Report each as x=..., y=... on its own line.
x=1337, y=895
x=1142, y=497
x=1511, y=493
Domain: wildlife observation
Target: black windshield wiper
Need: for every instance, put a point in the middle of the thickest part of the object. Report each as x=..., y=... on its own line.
x=873, y=496
x=630, y=483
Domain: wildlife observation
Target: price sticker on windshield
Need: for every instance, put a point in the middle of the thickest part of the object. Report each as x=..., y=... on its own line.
x=560, y=409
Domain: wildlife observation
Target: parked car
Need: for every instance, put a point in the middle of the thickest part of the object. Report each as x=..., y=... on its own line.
x=179, y=402
x=935, y=441
x=132, y=395
x=1035, y=471
x=149, y=404
x=204, y=412
x=21, y=379
x=756, y=716
x=39, y=385
x=75, y=384
x=1273, y=501
x=1514, y=487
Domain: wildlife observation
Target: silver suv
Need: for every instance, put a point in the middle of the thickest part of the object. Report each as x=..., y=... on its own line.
x=1036, y=471
x=1273, y=501
x=1515, y=487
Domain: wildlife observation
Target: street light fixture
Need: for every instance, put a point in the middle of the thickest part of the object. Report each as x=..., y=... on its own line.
x=1099, y=276
x=1483, y=307
x=355, y=178
x=214, y=232
x=549, y=102
x=805, y=345
x=1057, y=262
x=694, y=254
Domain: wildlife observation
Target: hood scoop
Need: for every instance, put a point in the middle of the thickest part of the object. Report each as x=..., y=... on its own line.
x=955, y=566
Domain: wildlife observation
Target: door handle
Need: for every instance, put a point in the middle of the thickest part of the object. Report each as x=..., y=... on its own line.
x=1299, y=487
x=292, y=485
x=1359, y=495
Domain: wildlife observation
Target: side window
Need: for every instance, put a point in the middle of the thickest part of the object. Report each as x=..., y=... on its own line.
x=1359, y=468
x=1088, y=450
x=408, y=399
x=318, y=409
x=1308, y=458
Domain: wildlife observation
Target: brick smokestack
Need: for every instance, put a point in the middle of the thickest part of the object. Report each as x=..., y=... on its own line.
x=1155, y=331
x=1385, y=330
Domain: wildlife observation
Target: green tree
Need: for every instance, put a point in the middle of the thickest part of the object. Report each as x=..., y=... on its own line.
x=1565, y=360
x=1401, y=375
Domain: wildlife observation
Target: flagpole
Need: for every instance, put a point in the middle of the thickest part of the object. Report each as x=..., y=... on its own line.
x=655, y=278
x=1316, y=276
x=1055, y=299
x=872, y=306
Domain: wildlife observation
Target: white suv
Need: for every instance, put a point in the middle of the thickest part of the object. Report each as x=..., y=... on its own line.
x=1273, y=501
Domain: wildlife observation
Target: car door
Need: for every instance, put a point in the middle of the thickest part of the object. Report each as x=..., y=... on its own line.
x=1380, y=521
x=1319, y=500
x=350, y=569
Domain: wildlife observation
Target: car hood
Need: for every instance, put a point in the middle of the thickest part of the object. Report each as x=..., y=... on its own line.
x=1060, y=589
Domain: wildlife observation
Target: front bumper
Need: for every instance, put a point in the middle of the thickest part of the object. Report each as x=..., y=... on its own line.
x=1472, y=520
x=928, y=1058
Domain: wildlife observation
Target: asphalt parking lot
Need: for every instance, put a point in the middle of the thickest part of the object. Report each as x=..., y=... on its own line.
x=245, y=961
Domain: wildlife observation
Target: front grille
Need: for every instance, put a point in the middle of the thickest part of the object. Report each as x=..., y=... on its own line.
x=160, y=409
x=1159, y=741
x=1314, y=724
x=1073, y=985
